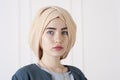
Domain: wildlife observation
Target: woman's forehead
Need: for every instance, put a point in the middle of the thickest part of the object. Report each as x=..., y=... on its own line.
x=56, y=23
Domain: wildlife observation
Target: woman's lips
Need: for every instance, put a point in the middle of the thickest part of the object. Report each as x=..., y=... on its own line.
x=58, y=48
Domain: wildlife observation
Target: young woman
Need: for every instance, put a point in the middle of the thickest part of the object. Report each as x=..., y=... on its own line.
x=52, y=36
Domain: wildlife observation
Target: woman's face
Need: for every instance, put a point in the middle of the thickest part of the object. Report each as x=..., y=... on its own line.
x=55, y=38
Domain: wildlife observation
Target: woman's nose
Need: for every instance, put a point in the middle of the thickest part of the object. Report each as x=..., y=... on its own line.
x=58, y=38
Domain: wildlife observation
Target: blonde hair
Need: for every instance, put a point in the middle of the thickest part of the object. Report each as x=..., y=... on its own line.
x=43, y=17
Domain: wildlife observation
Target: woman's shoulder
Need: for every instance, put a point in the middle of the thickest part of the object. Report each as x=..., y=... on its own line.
x=26, y=68
x=24, y=72
x=76, y=72
x=73, y=68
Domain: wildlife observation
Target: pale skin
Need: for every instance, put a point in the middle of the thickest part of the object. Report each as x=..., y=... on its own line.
x=54, y=44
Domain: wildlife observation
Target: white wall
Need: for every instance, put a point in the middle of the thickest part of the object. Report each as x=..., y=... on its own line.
x=9, y=40
x=101, y=30
x=97, y=47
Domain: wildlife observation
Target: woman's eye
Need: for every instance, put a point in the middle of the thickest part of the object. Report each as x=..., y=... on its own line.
x=50, y=32
x=65, y=33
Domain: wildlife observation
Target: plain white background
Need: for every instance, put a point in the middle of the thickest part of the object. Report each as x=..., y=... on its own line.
x=97, y=48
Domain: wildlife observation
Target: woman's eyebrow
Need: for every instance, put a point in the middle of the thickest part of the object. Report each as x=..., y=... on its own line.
x=64, y=28
x=51, y=28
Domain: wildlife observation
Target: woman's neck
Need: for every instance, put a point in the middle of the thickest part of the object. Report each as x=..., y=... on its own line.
x=51, y=61
x=52, y=64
